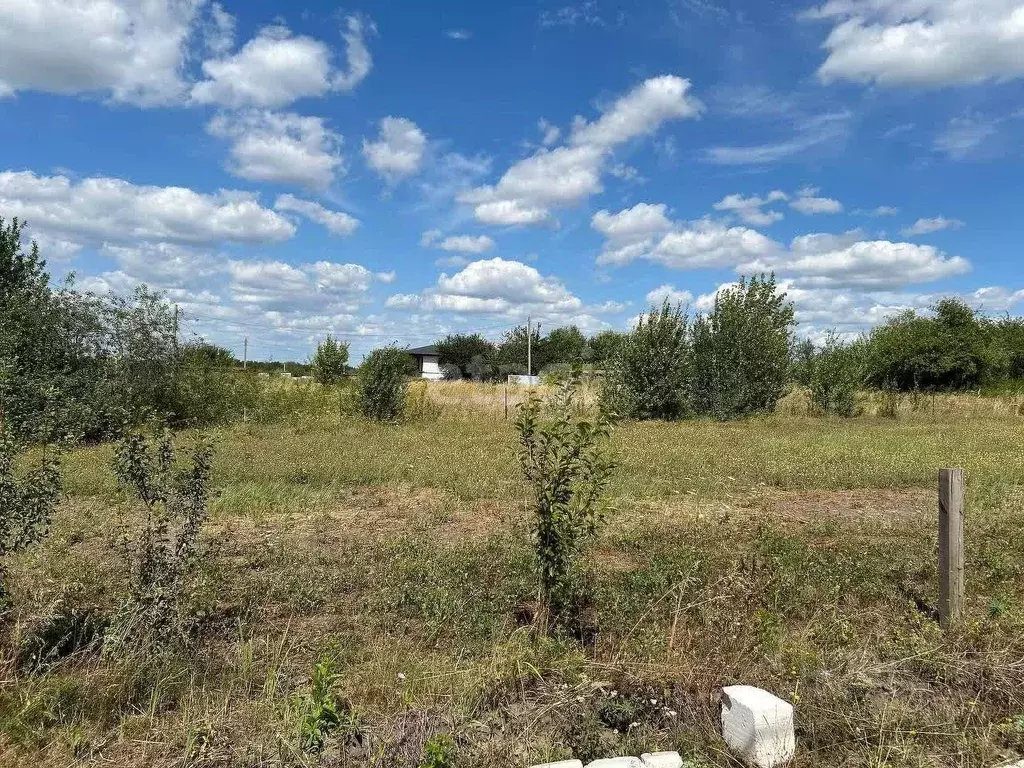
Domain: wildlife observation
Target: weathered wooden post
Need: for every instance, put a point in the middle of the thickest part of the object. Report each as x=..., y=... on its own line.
x=951, y=545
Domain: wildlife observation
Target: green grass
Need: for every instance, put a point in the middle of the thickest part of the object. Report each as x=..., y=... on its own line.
x=787, y=552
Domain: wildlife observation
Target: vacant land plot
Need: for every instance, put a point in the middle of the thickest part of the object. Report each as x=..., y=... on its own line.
x=793, y=553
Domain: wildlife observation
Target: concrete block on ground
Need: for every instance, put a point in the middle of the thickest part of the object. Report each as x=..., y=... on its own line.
x=758, y=726
x=617, y=762
x=561, y=764
x=661, y=760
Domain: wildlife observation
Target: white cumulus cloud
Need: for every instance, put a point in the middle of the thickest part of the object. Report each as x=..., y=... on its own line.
x=923, y=42
x=129, y=50
x=927, y=226
x=474, y=244
x=808, y=203
x=750, y=210
x=284, y=148
x=106, y=210
x=399, y=150
x=276, y=68
x=565, y=176
x=336, y=222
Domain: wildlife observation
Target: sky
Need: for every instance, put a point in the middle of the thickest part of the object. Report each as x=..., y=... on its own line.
x=397, y=171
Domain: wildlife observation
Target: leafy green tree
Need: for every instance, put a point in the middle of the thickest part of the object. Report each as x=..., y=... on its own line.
x=381, y=382
x=953, y=350
x=566, y=346
x=472, y=354
x=741, y=350
x=513, y=353
x=330, y=363
x=1009, y=336
x=563, y=458
x=605, y=347
x=836, y=372
x=648, y=376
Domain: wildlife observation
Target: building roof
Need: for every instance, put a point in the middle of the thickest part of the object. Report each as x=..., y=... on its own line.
x=428, y=350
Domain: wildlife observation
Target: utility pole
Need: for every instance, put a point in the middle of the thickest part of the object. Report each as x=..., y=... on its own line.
x=245, y=354
x=529, y=346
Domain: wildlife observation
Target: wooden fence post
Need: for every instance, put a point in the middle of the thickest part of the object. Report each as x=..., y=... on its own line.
x=951, y=545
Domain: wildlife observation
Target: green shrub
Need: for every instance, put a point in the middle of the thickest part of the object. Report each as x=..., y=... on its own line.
x=648, y=377
x=330, y=363
x=27, y=499
x=741, y=350
x=321, y=712
x=563, y=459
x=954, y=350
x=439, y=752
x=836, y=374
x=161, y=558
x=381, y=383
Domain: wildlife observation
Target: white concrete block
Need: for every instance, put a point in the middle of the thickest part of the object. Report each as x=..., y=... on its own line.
x=617, y=762
x=758, y=726
x=662, y=760
x=561, y=764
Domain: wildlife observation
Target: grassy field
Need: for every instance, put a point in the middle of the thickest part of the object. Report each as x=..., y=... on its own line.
x=790, y=552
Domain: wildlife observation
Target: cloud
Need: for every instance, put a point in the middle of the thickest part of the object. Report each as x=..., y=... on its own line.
x=809, y=133
x=276, y=68
x=964, y=135
x=336, y=222
x=131, y=51
x=106, y=210
x=809, y=204
x=823, y=260
x=456, y=243
x=570, y=15
x=569, y=174
x=645, y=232
x=493, y=286
x=550, y=133
x=399, y=151
x=884, y=210
x=284, y=148
x=927, y=43
x=927, y=226
x=749, y=209
x=282, y=287
x=458, y=34
x=668, y=293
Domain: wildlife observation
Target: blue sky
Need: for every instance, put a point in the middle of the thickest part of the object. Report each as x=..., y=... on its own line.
x=398, y=171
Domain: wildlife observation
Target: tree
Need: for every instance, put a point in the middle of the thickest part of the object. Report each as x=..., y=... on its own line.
x=513, y=352
x=381, y=383
x=466, y=352
x=741, y=350
x=835, y=374
x=564, y=461
x=565, y=346
x=330, y=363
x=605, y=346
x=649, y=374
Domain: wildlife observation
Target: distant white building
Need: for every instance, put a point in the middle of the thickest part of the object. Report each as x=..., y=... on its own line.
x=428, y=362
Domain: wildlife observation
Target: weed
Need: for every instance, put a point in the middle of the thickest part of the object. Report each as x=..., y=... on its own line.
x=162, y=556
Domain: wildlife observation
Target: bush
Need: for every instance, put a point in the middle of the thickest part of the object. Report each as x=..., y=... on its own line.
x=741, y=350
x=648, y=378
x=162, y=557
x=954, y=350
x=27, y=500
x=330, y=363
x=564, y=462
x=836, y=372
x=381, y=383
